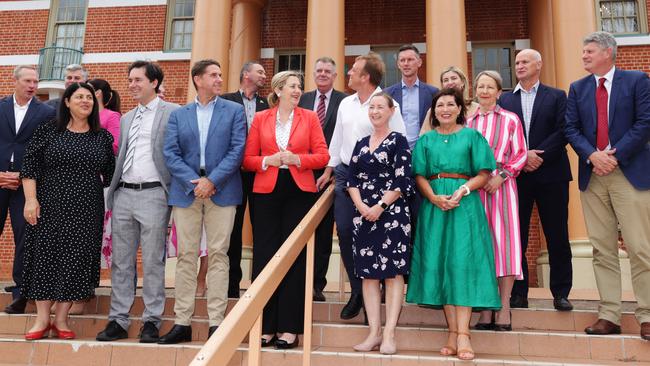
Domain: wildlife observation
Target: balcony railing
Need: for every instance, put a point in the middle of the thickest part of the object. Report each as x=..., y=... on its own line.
x=52, y=61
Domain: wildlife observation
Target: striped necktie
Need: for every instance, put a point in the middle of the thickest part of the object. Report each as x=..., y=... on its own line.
x=134, y=132
x=320, y=109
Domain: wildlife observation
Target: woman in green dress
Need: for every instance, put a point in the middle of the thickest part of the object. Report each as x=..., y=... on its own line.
x=453, y=260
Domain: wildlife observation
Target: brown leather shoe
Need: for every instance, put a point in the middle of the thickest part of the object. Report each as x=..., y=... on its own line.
x=603, y=326
x=645, y=331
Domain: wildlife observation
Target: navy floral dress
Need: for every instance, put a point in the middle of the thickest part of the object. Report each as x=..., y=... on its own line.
x=381, y=249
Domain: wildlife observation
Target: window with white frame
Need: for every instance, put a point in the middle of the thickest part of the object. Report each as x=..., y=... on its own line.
x=495, y=57
x=622, y=17
x=180, y=24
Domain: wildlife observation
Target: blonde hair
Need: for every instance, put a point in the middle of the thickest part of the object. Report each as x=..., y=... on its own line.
x=462, y=77
x=278, y=82
x=491, y=74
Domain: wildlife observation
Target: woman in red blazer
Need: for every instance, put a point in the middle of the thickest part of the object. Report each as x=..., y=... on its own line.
x=285, y=144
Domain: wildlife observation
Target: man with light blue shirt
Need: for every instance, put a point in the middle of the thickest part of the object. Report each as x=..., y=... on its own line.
x=413, y=95
x=205, y=191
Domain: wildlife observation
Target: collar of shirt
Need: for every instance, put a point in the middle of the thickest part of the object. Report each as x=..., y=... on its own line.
x=532, y=90
x=151, y=106
x=358, y=100
x=609, y=76
x=243, y=95
x=328, y=95
x=16, y=105
x=208, y=104
x=277, y=118
x=415, y=85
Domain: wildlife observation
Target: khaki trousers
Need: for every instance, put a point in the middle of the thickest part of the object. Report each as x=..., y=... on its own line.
x=218, y=226
x=606, y=202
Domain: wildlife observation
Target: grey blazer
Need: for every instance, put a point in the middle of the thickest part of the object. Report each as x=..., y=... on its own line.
x=157, y=145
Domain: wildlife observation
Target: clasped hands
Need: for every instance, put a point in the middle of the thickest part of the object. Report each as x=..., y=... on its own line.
x=534, y=160
x=204, y=188
x=448, y=202
x=10, y=180
x=370, y=213
x=284, y=157
x=604, y=162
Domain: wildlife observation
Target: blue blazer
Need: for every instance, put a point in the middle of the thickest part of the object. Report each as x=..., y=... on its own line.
x=223, y=153
x=629, y=125
x=14, y=142
x=426, y=93
x=546, y=133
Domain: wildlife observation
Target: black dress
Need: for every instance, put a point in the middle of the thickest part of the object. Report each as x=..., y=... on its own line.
x=62, y=251
x=382, y=249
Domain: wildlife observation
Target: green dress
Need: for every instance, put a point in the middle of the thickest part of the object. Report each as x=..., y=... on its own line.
x=453, y=258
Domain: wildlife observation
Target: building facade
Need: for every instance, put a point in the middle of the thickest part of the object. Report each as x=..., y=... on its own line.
x=107, y=35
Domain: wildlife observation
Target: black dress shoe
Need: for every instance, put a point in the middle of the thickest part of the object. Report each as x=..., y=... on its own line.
x=17, y=306
x=269, y=342
x=178, y=334
x=504, y=327
x=149, y=333
x=211, y=330
x=353, y=307
x=518, y=301
x=282, y=344
x=486, y=326
x=562, y=304
x=318, y=296
x=10, y=288
x=112, y=332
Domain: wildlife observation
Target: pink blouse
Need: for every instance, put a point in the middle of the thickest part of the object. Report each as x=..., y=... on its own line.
x=110, y=120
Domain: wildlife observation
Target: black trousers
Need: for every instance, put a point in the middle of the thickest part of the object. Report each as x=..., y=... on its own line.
x=552, y=201
x=13, y=202
x=276, y=215
x=235, y=248
x=323, y=245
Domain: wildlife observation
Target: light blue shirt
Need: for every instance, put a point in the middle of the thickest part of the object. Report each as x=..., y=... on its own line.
x=527, y=102
x=411, y=111
x=203, y=117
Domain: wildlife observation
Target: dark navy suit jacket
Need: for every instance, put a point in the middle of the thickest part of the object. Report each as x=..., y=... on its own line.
x=15, y=142
x=426, y=92
x=546, y=132
x=307, y=101
x=629, y=125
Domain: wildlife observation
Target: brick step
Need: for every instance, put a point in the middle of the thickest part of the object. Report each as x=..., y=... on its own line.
x=88, y=352
x=412, y=315
x=538, y=343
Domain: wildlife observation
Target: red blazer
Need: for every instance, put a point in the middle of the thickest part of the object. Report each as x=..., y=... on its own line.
x=306, y=140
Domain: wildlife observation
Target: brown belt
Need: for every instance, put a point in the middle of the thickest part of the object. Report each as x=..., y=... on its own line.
x=449, y=175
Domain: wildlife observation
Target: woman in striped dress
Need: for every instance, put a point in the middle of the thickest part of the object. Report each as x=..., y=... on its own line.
x=505, y=135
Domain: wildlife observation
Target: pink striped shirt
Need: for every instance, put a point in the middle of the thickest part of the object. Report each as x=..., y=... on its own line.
x=505, y=135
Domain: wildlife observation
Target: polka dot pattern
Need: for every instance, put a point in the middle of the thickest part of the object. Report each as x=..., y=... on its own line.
x=62, y=251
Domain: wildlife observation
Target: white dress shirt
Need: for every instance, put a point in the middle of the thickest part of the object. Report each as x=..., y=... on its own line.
x=352, y=124
x=19, y=115
x=143, y=169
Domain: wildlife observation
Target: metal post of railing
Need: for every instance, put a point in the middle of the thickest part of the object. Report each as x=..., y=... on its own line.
x=309, y=300
x=254, y=343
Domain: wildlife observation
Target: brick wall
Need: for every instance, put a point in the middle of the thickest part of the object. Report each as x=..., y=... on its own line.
x=25, y=31
x=125, y=29
x=496, y=20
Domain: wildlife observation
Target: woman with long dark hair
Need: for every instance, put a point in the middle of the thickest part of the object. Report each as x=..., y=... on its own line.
x=66, y=166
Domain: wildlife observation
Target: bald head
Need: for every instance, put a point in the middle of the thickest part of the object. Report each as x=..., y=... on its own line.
x=528, y=66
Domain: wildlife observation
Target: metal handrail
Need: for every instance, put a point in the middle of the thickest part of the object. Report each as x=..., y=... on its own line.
x=246, y=315
x=53, y=60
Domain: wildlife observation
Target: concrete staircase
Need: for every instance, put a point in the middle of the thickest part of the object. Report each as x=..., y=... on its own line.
x=541, y=337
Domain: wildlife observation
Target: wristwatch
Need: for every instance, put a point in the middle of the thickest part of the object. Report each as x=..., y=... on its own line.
x=503, y=174
x=383, y=205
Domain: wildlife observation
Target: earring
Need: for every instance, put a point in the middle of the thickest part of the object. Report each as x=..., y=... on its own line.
x=278, y=94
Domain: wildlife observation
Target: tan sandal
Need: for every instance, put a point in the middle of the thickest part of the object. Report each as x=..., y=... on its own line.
x=448, y=350
x=467, y=351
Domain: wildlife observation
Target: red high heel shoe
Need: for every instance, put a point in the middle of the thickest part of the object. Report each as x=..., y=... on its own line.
x=37, y=334
x=62, y=334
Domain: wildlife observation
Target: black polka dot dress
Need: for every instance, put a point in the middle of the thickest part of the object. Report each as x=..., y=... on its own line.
x=62, y=251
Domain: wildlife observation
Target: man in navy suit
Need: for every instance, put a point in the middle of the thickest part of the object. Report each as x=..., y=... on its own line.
x=251, y=79
x=545, y=178
x=325, y=102
x=20, y=114
x=413, y=95
x=608, y=125
x=204, y=147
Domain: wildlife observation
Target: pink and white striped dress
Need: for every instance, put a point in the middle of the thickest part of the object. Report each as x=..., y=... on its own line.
x=504, y=133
